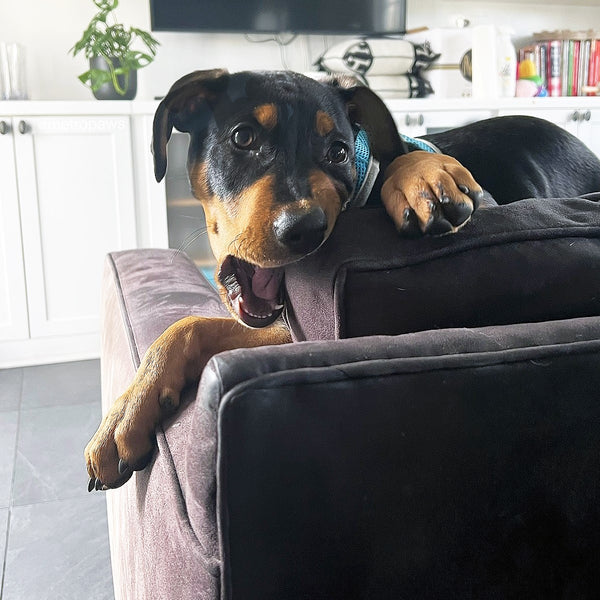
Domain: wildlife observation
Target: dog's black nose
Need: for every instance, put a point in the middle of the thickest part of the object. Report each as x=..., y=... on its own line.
x=301, y=231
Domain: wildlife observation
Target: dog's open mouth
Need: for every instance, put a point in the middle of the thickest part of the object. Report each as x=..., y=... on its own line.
x=254, y=292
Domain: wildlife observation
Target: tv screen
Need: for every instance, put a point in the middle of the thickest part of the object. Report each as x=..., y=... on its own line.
x=364, y=17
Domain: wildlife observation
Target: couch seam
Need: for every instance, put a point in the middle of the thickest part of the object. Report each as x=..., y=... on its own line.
x=135, y=355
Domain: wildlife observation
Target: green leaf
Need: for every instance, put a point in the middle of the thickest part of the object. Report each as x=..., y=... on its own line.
x=113, y=41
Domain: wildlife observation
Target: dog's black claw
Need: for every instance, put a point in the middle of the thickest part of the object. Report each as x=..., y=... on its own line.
x=476, y=198
x=438, y=227
x=91, y=484
x=123, y=466
x=98, y=485
x=410, y=225
x=457, y=213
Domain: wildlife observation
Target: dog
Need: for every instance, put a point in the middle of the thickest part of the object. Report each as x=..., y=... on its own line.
x=274, y=159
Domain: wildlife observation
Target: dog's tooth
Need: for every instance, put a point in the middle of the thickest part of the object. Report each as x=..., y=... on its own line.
x=260, y=316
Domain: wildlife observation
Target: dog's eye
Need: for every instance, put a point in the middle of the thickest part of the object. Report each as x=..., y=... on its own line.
x=243, y=137
x=337, y=153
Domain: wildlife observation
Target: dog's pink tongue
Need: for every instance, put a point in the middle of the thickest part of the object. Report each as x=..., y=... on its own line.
x=266, y=282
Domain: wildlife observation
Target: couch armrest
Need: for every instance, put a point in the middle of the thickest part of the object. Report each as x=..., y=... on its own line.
x=145, y=291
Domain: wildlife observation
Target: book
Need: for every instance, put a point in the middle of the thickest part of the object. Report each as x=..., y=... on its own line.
x=555, y=68
x=543, y=64
x=594, y=66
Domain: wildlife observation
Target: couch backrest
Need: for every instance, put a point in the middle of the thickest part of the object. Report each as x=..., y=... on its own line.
x=532, y=260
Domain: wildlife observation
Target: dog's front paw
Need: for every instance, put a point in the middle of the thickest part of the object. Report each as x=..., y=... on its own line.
x=429, y=193
x=125, y=439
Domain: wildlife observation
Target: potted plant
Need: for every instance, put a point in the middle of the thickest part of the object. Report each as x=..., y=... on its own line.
x=113, y=61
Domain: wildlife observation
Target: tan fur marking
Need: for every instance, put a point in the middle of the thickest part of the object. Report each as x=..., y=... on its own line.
x=266, y=115
x=245, y=224
x=327, y=196
x=323, y=123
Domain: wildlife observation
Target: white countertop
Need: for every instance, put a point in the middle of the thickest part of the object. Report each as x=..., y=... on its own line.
x=147, y=107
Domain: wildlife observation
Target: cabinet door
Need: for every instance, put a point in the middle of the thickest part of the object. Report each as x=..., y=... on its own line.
x=13, y=299
x=76, y=195
x=589, y=128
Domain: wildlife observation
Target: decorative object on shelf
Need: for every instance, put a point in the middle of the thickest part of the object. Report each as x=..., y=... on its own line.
x=391, y=67
x=451, y=76
x=529, y=84
x=12, y=72
x=113, y=60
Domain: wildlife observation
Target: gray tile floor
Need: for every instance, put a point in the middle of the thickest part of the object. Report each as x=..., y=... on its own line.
x=53, y=534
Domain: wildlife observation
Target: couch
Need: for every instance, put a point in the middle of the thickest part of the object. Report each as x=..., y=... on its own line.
x=434, y=433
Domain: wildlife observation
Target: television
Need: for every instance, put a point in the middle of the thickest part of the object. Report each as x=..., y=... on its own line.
x=346, y=17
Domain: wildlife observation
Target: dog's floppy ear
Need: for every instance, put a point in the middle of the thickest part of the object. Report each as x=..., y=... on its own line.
x=182, y=108
x=367, y=109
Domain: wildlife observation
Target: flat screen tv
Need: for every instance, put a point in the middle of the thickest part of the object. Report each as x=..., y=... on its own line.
x=349, y=17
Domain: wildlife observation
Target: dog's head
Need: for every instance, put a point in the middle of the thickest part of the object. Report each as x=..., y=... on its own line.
x=272, y=160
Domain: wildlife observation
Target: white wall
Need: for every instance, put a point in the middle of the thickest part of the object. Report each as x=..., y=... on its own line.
x=49, y=29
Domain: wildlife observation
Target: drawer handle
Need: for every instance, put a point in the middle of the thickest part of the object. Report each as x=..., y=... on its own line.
x=587, y=115
x=23, y=127
x=4, y=128
x=576, y=116
x=411, y=121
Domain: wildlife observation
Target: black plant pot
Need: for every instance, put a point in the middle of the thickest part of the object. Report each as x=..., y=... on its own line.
x=107, y=91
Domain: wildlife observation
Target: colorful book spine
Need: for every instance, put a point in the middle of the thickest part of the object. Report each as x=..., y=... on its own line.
x=554, y=69
x=594, y=66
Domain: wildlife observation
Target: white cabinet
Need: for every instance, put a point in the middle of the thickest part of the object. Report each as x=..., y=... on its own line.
x=70, y=187
x=13, y=297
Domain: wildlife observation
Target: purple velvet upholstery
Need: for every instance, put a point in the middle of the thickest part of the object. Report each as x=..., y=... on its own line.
x=160, y=537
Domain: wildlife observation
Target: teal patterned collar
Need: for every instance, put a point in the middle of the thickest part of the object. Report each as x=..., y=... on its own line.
x=367, y=166
x=367, y=169
x=419, y=144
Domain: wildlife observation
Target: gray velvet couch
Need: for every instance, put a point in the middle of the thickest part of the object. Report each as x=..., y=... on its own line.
x=457, y=457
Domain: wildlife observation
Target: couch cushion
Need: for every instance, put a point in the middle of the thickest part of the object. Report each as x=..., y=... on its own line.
x=532, y=260
x=439, y=464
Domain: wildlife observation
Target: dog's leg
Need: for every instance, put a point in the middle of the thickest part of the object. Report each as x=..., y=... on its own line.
x=429, y=193
x=124, y=441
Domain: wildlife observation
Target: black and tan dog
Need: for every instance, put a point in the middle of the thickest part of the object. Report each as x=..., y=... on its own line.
x=273, y=160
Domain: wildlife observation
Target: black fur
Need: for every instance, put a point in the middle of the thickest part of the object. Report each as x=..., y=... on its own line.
x=518, y=157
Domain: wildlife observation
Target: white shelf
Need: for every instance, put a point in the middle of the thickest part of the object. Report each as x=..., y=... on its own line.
x=148, y=107
x=566, y=3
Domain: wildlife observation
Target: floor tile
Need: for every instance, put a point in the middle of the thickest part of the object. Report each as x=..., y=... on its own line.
x=8, y=440
x=59, y=551
x=61, y=384
x=49, y=463
x=10, y=388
